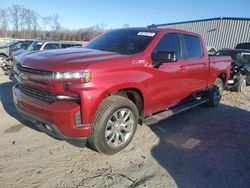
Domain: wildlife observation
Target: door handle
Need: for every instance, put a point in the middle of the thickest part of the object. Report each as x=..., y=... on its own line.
x=181, y=68
x=204, y=66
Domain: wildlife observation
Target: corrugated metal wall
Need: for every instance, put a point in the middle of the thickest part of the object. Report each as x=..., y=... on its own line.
x=218, y=33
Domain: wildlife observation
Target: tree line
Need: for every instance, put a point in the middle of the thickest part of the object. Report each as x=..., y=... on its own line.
x=20, y=22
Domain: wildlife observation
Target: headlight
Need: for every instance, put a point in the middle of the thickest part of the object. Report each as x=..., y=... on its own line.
x=82, y=76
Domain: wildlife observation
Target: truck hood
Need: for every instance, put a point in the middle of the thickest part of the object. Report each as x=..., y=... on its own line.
x=65, y=59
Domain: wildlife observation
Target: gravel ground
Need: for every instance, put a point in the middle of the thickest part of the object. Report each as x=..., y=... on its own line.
x=202, y=147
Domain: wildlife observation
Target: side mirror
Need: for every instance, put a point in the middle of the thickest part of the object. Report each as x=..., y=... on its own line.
x=164, y=56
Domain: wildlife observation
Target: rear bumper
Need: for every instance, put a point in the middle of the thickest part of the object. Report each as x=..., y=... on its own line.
x=56, y=119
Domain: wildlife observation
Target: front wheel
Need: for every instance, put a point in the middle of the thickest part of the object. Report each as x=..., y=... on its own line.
x=215, y=94
x=114, y=125
x=2, y=64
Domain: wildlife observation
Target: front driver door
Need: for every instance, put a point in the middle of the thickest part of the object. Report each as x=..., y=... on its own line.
x=170, y=78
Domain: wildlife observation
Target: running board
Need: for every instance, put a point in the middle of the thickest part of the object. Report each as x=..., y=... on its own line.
x=156, y=118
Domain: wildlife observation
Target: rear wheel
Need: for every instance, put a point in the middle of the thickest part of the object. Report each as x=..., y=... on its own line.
x=242, y=85
x=114, y=125
x=215, y=94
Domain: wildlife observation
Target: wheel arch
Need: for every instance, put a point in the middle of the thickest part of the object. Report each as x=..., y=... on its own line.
x=223, y=77
x=95, y=98
x=136, y=96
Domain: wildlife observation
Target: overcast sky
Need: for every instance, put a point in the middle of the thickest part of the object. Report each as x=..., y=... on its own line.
x=75, y=14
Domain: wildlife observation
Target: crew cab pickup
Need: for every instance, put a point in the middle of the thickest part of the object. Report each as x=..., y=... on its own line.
x=100, y=93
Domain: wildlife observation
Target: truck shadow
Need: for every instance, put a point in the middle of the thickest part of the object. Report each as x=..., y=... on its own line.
x=205, y=147
x=8, y=105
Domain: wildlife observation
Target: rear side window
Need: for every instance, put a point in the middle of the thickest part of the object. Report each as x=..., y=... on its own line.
x=193, y=47
x=66, y=45
x=246, y=57
x=51, y=46
x=243, y=46
x=169, y=42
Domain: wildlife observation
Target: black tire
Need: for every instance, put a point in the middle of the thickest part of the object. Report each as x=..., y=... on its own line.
x=241, y=86
x=248, y=79
x=110, y=106
x=215, y=94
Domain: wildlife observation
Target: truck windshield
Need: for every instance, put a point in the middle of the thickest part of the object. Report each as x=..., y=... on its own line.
x=8, y=44
x=123, y=41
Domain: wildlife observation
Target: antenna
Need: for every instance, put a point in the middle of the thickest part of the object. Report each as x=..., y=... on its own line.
x=151, y=26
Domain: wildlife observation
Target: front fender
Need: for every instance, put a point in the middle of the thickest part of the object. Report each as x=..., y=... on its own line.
x=92, y=98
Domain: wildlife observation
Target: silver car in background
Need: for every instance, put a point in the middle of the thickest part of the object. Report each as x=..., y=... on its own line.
x=8, y=62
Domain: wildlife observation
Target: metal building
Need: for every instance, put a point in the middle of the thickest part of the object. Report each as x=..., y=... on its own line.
x=218, y=33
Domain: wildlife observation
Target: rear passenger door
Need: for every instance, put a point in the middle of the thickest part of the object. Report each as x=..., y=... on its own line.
x=196, y=63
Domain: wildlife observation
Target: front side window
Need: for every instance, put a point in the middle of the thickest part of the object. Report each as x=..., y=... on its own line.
x=123, y=41
x=16, y=45
x=26, y=44
x=35, y=46
x=170, y=42
x=193, y=47
x=50, y=46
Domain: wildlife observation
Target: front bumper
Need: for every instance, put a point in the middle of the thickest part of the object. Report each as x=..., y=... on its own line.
x=56, y=119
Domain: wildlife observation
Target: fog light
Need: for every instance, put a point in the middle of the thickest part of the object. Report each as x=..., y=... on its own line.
x=78, y=119
x=48, y=127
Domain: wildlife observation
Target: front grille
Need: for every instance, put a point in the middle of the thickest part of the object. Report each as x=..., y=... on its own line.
x=33, y=71
x=41, y=95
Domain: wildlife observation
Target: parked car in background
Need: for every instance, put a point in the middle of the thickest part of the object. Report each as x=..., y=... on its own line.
x=8, y=43
x=48, y=45
x=240, y=71
x=11, y=47
x=244, y=45
x=101, y=92
x=8, y=62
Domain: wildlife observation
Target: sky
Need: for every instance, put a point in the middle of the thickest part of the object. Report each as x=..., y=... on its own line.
x=75, y=14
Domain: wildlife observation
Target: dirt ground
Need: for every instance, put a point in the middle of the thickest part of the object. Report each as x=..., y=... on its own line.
x=202, y=147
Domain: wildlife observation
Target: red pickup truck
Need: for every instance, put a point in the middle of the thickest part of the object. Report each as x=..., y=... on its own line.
x=100, y=93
